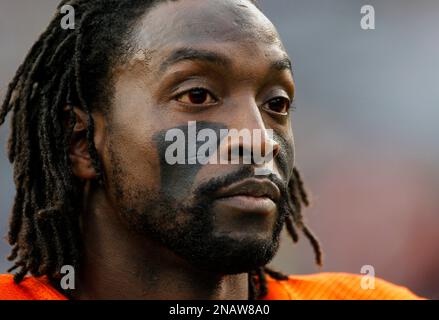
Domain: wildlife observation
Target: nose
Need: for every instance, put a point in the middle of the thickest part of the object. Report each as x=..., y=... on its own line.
x=248, y=140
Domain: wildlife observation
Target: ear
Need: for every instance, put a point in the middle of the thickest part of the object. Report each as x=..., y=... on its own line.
x=82, y=165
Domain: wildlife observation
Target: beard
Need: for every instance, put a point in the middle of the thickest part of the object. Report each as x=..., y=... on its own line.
x=188, y=227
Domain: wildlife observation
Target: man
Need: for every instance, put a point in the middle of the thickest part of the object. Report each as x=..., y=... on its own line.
x=93, y=109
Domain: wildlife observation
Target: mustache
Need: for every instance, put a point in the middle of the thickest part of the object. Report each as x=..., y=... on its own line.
x=207, y=190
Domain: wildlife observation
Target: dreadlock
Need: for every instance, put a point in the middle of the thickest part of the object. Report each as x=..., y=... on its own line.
x=294, y=221
x=67, y=68
x=63, y=68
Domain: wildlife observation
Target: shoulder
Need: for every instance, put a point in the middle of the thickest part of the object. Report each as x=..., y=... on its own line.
x=29, y=289
x=336, y=286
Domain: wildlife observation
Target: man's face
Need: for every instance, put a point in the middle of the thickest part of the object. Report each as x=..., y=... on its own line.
x=222, y=65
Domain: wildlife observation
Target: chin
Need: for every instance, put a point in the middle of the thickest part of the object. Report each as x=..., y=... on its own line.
x=238, y=254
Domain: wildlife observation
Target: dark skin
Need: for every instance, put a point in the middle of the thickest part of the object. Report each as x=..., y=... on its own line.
x=231, y=51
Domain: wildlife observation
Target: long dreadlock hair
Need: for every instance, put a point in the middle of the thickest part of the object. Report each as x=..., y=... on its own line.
x=66, y=68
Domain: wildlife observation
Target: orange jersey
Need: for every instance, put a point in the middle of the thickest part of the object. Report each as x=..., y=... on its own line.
x=335, y=286
x=29, y=289
x=321, y=286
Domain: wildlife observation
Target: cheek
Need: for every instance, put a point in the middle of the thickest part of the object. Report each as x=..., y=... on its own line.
x=177, y=180
x=130, y=162
x=286, y=157
x=132, y=159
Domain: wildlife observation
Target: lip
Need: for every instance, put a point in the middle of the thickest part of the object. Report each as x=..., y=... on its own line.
x=251, y=188
x=247, y=204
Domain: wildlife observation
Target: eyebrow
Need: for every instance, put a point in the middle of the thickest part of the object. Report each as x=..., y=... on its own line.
x=191, y=54
x=283, y=64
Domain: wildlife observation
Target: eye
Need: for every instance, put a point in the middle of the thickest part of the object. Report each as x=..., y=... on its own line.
x=279, y=105
x=197, y=96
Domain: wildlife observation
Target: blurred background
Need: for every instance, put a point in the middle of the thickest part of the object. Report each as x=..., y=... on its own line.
x=366, y=130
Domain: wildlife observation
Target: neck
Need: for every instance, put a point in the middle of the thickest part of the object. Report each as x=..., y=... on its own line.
x=119, y=264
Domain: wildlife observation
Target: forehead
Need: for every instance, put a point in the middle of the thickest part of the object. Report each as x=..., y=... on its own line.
x=194, y=23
